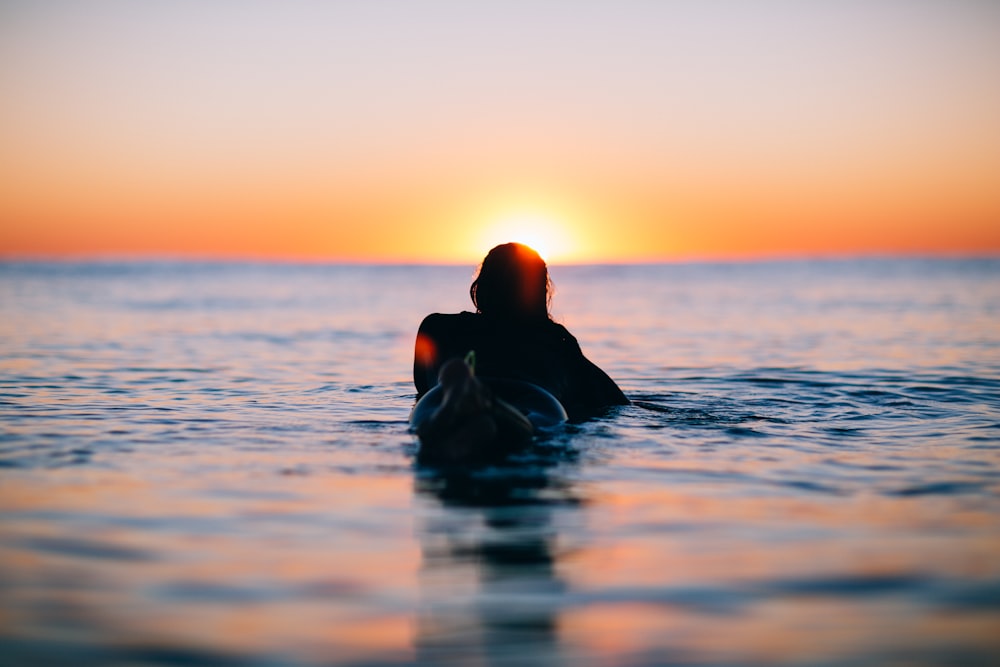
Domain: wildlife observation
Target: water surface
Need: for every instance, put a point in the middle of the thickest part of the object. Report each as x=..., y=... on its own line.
x=209, y=464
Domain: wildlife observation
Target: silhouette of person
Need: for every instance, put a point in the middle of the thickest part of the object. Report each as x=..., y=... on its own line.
x=513, y=337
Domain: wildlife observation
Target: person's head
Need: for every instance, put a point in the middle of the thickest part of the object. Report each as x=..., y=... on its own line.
x=513, y=283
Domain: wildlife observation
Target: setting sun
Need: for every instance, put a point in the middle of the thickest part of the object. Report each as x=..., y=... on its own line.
x=660, y=132
x=545, y=233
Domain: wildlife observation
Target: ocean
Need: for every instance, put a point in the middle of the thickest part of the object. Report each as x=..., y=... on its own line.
x=209, y=464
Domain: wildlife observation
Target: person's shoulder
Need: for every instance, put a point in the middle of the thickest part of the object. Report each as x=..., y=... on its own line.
x=560, y=329
x=436, y=321
x=562, y=333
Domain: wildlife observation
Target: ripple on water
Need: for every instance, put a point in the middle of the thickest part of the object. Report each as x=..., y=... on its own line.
x=190, y=449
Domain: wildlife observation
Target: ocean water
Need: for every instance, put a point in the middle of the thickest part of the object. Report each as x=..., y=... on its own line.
x=209, y=464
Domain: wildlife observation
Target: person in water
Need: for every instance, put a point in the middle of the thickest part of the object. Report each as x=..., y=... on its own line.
x=513, y=338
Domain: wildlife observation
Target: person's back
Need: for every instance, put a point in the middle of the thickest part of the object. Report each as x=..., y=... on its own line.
x=513, y=336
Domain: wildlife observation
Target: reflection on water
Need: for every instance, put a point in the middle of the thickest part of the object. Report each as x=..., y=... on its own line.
x=209, y=465
x=489, y=565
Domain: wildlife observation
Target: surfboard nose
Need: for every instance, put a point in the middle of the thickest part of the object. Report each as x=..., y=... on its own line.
x=454, y=372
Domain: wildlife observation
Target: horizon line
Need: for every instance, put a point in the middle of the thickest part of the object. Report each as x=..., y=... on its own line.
x=706, y=258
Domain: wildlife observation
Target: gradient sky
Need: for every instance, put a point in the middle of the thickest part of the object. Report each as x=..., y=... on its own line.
x=427, y=131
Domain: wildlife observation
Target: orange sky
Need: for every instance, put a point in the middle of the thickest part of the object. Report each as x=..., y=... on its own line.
x=428, y=131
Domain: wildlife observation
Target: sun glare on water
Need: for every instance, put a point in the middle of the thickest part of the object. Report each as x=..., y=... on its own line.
x=547, y=235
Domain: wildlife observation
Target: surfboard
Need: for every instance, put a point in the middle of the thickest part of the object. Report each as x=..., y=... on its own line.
x=466, y=418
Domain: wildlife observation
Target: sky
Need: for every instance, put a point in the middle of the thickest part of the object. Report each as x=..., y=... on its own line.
x=427, y=131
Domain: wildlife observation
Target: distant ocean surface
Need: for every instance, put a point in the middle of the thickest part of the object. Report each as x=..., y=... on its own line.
x=209, y=464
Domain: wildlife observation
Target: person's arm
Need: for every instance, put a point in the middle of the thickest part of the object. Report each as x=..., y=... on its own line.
x=590, y=388
x=425, y=353
x=602, y=391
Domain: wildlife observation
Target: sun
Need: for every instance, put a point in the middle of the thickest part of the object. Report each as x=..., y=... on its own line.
x=545, y=233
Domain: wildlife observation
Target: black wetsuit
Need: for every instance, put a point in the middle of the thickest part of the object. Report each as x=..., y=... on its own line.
x=543, y=353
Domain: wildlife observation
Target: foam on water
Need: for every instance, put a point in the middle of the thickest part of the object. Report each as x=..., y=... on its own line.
x=209, y=464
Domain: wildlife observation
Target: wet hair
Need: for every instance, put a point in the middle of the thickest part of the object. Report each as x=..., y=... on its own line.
x=512, y=283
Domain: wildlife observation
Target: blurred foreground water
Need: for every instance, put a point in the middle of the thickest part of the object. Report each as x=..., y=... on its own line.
x=208, y=464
